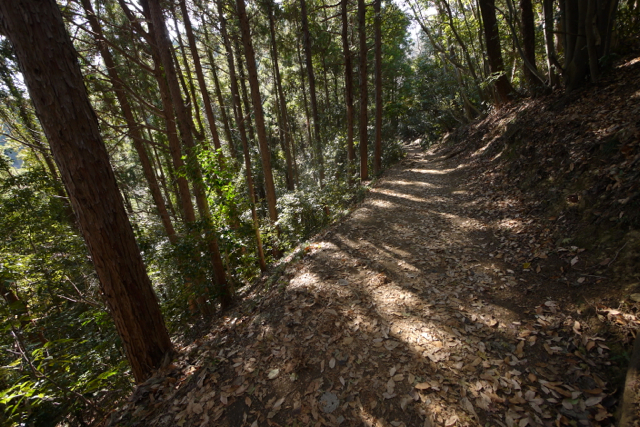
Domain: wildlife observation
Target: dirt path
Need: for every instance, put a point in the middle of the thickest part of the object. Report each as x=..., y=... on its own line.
x=406, y=313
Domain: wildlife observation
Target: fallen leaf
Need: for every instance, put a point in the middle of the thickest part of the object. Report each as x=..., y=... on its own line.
x=273, y=374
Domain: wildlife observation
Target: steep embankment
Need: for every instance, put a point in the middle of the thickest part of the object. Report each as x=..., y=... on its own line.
x=462, y=291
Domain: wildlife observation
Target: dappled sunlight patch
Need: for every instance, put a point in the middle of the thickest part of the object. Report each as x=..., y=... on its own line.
x=402, y=315
x=431, y=171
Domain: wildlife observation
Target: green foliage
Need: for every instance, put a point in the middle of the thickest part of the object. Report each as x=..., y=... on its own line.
x=72, y=346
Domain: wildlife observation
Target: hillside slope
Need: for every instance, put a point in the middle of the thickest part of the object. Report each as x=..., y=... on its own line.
x=569, y=165
x=475, y=285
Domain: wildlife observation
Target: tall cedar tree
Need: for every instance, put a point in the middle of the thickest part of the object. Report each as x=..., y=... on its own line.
x=348, y=89
x=529, y=42
x=312, y=89
x=237, y=112
x=52, y=75
x=282, y=102
x=364, y=99
x=377, y=155
x=185, y=126
x=494, y=52
x=134, y=129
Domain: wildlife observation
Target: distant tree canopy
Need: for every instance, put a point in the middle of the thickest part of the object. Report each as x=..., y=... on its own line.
x=212, y=138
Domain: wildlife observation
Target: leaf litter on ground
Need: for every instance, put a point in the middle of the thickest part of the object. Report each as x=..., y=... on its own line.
x=438, y=301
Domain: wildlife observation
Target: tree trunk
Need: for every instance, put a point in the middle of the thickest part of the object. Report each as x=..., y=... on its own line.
x=529, y=42
x=52, y=74
x=237, y=111
x=377, y=157
x=348, y=91
x=257, y=109
x=244, y=92
x=364, y=94
x=305, y=103
x=200, y=76
x=494, y=51
x=134, y=129
x=588, y=26
x=547, y=7
x=283, y=103
x=312, y=90
x=184, y=124
x=223, y=109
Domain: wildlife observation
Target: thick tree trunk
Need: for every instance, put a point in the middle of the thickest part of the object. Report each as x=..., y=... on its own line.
x=348, y=91
x=364, y=93
x=494, y=51
x=377, y=156
x=52, y=74
x=312, y=90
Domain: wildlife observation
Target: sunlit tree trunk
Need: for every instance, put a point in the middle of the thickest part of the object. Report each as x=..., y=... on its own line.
x=134, y=129
x=206, y=100
x=38, y=35
x=221, y=102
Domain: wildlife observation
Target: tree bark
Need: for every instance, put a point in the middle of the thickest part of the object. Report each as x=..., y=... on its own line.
x=377, y=156
x=257, y=109
x=529, y=42
x=52, y=74
x=243, y=91
x=364, y=94
x=348, y=91
x=184, y=124
x=223, y=109
x=237, y=111
x=312, y=90
x=547, y=7
x=494, y=51
x=134, y=129
x=283, y=103
x=200, y=76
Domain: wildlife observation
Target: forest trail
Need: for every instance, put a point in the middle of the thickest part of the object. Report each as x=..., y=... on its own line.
x=415, y=310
